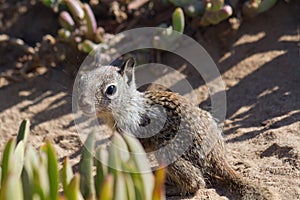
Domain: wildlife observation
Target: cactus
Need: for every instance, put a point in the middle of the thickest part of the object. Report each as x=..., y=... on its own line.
x=38, y=176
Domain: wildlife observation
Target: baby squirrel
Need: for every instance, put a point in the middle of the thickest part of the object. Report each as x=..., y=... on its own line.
x=161, y=118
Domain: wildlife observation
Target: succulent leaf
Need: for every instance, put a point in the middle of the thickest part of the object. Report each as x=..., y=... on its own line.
x=75, y=8
x=18, y=159
x=101, y=169
x=6, y=159
x=27, y=185
x=23, y=131
x=66, y=21
x=86, y=168
x=129, y=187
x=120, y=189
x=158, y=190
x=125, y=179
x=142, y=165
x=73, y=188
x=90, y=21
x=107, y=189
x=12, y=188
x=178, y=20
x=52, y=170
x=121, y=146
x=66, y=174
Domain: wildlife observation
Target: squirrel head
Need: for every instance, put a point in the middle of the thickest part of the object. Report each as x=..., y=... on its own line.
x=109, y=91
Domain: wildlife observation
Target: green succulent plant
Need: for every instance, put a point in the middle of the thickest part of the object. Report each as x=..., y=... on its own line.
x=166, y=39
x=215, y=12
x=79, y=26
x=178, y=20
x=211, y=12
x=30, y=174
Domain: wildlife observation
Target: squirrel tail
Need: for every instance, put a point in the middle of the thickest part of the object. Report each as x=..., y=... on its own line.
x=246, y=189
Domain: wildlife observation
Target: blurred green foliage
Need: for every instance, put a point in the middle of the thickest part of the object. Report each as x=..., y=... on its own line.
x=30, y=174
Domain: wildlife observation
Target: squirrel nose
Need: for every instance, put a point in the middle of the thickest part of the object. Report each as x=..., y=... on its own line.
x=85, y=104
x=82, y=101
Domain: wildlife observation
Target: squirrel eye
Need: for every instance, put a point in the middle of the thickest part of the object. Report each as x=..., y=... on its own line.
x=110, y=90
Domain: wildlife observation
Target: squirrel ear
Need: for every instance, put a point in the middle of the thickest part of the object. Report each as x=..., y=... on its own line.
x=127, y=66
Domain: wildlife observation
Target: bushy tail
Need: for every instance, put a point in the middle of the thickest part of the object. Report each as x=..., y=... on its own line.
x=246, y=189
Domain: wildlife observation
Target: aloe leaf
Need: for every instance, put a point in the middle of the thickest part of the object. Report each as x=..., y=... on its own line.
x=101, y=168
x=18, y=159
x=86, y=168
x=129, y=187
x=73, y=188
x=140, y=192
x=66, y=174
x=74, y=7
x=121, y=146
x=178, y=20
x=12, y=188
x=120, y=188
x=41, y=176
x=90, y=21
x=6, y=159
x=31, y=161
x=52, y=170
x=27, y=185
x=142, y=164
x=136, y=178
x=66, y=21
x=158, y=190
x=114, y=161
x=40, y=182
x=0, y=176
x=107, y=189
x=23, y=131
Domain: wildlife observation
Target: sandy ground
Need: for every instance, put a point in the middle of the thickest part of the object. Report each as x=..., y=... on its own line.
x=260, y=65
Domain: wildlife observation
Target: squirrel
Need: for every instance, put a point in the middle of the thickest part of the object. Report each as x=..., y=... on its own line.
x=160, y=118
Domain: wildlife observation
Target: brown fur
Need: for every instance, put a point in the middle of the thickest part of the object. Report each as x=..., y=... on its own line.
x=180, y=123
